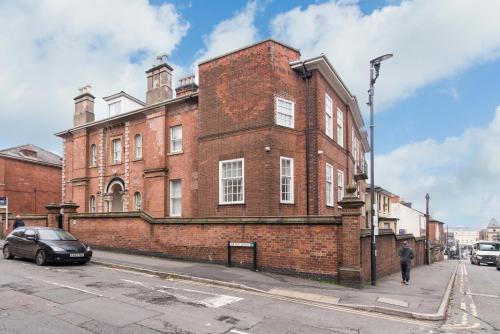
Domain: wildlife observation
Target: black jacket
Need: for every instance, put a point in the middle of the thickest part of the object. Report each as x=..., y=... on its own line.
x=18, y=223
x=406, y=254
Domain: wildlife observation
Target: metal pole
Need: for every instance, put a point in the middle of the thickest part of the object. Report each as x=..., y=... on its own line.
x=372, y=183
x=427, y=253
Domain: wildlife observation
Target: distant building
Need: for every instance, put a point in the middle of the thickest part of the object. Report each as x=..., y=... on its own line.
x=492, y=232
x=410, y=220
x=30, y=177
x=465, y=236
x=386, y=218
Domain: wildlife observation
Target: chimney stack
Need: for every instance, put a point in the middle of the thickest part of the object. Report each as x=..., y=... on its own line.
x=84, y=107
x=186, y=86
x=159, y=82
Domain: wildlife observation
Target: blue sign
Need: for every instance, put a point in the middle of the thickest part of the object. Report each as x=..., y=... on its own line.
x=3, y=201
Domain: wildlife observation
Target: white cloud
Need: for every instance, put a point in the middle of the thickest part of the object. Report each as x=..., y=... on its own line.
x=50, y=48
x=461, y=174
x=231, y=34
x=431, y=40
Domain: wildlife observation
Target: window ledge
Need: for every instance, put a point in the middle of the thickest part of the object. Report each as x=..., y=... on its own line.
x=115, y=163
x=175, y=153
x=287, y=203
x=231, y=203
x=140, y=159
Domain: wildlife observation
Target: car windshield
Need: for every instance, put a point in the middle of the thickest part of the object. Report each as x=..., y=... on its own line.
x=55, y=235
x=489, y=247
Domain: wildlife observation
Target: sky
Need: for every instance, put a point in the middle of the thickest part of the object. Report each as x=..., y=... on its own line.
x=437, y=100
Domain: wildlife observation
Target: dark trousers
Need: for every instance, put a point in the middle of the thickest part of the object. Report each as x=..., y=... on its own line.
x=405, y=270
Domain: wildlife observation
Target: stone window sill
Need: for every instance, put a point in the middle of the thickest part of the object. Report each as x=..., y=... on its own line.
x=175, y=153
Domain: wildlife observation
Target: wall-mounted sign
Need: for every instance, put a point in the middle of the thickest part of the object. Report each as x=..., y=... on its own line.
x=3, y=202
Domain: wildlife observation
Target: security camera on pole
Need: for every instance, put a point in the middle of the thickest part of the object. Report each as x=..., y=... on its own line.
x=374, y=73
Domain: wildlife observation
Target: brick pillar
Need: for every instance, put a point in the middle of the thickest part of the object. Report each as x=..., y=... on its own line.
x=53, y=211
x=350, y=273
x=69, y=209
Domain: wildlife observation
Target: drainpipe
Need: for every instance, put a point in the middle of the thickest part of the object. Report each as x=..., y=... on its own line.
x=306, y=75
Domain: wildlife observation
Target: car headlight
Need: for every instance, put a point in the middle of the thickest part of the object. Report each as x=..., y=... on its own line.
x=57, y=249
x=88, y=249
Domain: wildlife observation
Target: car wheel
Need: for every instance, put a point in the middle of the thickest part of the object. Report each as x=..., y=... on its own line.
x=7, y=254
x=40, y=258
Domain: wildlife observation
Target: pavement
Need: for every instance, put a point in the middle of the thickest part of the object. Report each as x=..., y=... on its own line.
x=424, y=298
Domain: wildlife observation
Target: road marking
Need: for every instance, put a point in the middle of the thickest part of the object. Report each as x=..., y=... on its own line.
x=482, y=295
x=73, y=288
x=235, y=331
x=222, y=300
x=369, y=314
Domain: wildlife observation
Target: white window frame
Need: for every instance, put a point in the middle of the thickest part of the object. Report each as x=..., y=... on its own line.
x=92, y=204
x=221, y=186
x=278, y=112
x=172, y=198
x=340, y=185
x=174, y=140
x=328, y=116
x=137, y=201
x=93, y=155
x=290, y=177
x=329, y=192
x=116, y=154
x=138, y=148
x=340, y=127
x=115, y=108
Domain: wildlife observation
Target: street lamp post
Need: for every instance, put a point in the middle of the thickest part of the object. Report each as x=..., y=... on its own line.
x=374, y=73
x=427, y=250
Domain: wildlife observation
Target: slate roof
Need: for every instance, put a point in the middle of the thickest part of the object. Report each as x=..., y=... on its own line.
x=42, y=156
x=493, y=223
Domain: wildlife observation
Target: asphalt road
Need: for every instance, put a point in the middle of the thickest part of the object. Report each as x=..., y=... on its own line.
x=97, y=299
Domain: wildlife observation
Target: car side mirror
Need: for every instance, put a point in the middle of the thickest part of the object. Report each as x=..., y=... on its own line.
x=31, y=237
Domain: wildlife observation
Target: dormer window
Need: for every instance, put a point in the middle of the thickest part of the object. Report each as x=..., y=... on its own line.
x=28, y=153
x=115, y=108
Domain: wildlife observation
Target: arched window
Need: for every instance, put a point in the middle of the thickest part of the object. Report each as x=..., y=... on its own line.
x=92, y=206
x=138, y=146
x=93, y=155
x=137, y=201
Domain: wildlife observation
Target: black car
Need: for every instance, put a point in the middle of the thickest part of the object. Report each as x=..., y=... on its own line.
x=44, y=245
x=498, y=262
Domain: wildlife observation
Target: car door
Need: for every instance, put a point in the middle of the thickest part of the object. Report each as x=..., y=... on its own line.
x=15, y=241
x=25, y=245
x=31, y=245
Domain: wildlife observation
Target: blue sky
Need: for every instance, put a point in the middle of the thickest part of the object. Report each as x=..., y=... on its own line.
x=437, y=101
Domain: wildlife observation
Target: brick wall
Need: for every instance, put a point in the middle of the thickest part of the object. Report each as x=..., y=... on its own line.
x=300, y=245
x=388, y=245
x=29, y=220
x=29, y=186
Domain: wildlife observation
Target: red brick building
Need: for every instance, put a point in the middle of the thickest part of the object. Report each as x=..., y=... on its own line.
x=264, y=134
x=29, y=178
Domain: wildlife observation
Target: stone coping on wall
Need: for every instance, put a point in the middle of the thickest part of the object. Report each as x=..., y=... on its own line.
x=367, y=232
x=306, y=220
x=12, y=216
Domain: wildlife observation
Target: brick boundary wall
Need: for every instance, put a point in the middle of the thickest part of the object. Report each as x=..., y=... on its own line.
x=388, y=245
x=303, y=246
x=29, y=220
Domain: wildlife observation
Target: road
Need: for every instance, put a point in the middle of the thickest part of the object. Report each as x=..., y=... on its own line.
x=97, y=299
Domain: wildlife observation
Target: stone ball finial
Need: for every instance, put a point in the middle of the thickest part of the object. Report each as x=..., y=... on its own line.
x=351, y=189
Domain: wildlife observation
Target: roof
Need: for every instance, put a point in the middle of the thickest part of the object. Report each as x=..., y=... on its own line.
x=247, y=47
x=432, y=220
x=41, y=156
x=123, y=94
x=121, y=117
x=493, y=223
x=380, y=189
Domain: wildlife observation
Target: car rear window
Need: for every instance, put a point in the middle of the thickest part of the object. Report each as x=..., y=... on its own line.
x=55, y=235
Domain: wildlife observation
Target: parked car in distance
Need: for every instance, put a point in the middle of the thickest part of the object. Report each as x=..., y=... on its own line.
x=45, y=245
x=485, y=252
x=498, y=262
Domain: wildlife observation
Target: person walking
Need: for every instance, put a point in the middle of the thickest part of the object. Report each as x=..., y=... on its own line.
x=17, y=222
x=405, y=256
